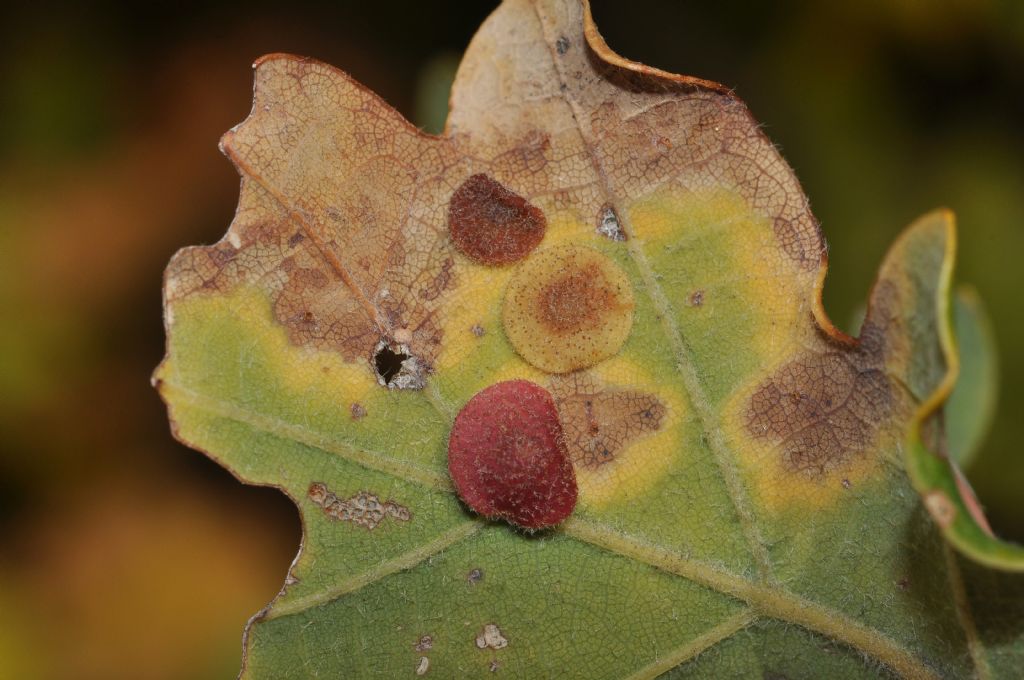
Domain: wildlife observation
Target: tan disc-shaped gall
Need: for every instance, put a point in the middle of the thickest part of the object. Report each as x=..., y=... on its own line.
x=568, y=308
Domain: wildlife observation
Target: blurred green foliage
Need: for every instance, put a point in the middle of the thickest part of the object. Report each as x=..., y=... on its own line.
x=129, y=556
x=971, y=407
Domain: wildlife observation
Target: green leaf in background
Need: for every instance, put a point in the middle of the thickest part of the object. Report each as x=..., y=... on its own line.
x=744, y=504
x=433, y=87
x=935, y=474
x=972, y=404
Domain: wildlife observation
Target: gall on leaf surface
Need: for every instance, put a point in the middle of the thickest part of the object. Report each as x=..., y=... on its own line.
x=758, y=494
x=508, y=458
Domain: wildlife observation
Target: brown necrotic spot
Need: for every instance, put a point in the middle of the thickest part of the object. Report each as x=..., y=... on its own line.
x=599, y=422
x=491, y=224
x=363, y=509
x=821, y=410
x=319, y=311
x=507, y=456
x=568, y=308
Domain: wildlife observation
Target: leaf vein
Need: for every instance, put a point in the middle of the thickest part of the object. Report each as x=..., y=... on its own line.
x=329, y=256
x=382, y=570
x=698, y=645
x=769, y=600
x=964, y=615
x=372, y=460
x=684, y=365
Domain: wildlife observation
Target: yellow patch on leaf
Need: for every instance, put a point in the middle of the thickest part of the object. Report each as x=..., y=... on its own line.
x=300, y=369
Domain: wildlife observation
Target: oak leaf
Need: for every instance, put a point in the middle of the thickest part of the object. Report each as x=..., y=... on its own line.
x=759, y=495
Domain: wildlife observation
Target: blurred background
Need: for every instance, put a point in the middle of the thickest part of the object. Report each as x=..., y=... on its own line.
x=127, y=555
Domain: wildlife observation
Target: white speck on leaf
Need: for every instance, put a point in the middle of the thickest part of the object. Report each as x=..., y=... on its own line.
x=491, y=637
x=424, y=643
x=608, y=225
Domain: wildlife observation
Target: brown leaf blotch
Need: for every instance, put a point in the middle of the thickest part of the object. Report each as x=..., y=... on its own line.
x=599, y=422
x=491, y=224
x=315, y=311
x=805, y=251
x=441, y=281
x=822, y=410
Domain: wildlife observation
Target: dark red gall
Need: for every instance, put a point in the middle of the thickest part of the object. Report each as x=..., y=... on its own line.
x=491, y=224
x=508, y=458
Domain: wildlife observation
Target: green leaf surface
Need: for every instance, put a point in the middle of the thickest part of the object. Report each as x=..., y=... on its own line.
x=744, y=507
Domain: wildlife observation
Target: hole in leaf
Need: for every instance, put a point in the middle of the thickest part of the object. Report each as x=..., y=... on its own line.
x=397, y=368
x=388, y=363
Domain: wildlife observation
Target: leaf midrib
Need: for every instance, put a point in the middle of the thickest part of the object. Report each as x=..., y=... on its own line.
x=652, y=288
